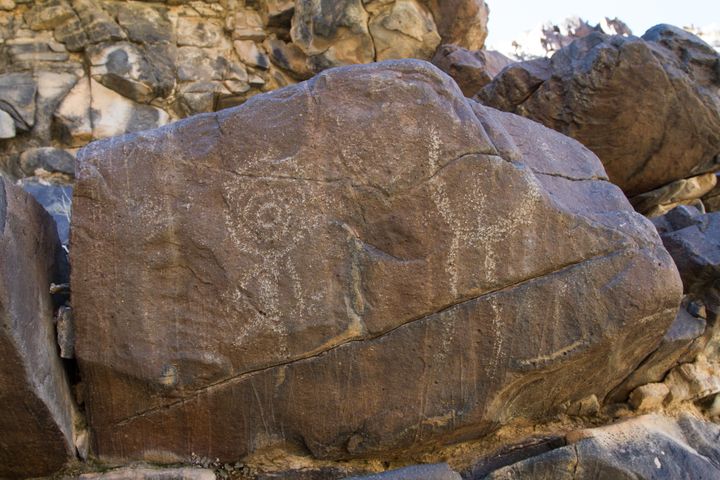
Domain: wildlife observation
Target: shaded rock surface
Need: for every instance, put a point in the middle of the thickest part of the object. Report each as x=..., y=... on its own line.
x=648, y=447
x=344, y=287
x=471, y=70
x=649, y=108
x=440, y=471
x=37, y=415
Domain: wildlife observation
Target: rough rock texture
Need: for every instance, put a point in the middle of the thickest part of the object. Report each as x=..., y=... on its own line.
x=687, y=191
x=416, y=472
x=345, y=286
x=651, y=447
x=471, y=70
x=36, y=419
x=649, y=108
x=56, y=198
x=152, y=474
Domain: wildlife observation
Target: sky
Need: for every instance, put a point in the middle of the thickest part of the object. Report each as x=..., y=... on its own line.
x=510, y=18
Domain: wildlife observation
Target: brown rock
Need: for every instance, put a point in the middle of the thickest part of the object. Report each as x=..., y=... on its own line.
x=647, y=107
x=403, y=29
x=461, y=22
x=332, y=33
x=36, y=419
x=131, y=473
x=470, y=70
x=364, y=263
x=649, y=397
x=680, y=192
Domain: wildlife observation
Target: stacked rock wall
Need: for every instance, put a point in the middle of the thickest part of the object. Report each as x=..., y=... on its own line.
x=72, y=71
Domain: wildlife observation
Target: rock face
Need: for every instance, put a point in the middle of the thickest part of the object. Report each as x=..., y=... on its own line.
x=649, y=108
x=344, y=286
x=36, y=419
x=471, y=70
x=649, y=447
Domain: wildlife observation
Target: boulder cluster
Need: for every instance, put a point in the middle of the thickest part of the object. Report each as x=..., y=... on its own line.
x=386, y=269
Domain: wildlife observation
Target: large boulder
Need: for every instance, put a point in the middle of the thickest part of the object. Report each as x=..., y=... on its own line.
x=651, y=447
x=649, y=108
x=361, y=264
x=36, y=419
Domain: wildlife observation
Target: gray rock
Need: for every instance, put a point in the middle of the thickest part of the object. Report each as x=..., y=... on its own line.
x=198, y=32
x=97, y=24
x=37, y=415
x=145, y=24
x=646, y=448
x=17, y=98
x=471, y=70
x=136, y=72
x=681, y=343
x=56, y=199
x=49, y=159
x=48, y=14
x=440, y=471
x=7, y=125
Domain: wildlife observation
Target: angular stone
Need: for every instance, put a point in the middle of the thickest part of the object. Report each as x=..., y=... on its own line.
x=17, y=98
x=48, y=14
x=693, y=381
x=681, y=343
x=650, y=447
x=290, y=58
x=440, y=471
x=198, y=32
x=199, y=65
x=712, y=199
x=145, y=24
x=130, y=71
x=97, y=24
x=7, y=125
x=112, y=114
x=649, y=397
x=36, y=419
x=649, y=108
x=250, y=54
x=130, y=473
x=344, y=241
x=470, y=70
x=681, y=192
x=49, y=159
x=461, y=22
x=332, y=33
x=56, y=199
x=695, y=248
x=402, y=29
x=72, y=34
x=278, y=12
x=71, y=120
x=248, y=26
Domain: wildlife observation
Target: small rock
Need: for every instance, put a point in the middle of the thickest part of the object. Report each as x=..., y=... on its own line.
x=7, y=125
x=112, y=114
x=7, y=5
x=278, y=12
x=440, y=471
x=586, y=407
x=692, y=381
x=48, y=14
x=17, y=98
x=471, y=70
x=96, y=23
x=649, y=397
x=198, y=32
x=681, y=192
x=152, y=474
x=403, y=29
x=48, y=158
x=72, y=118
x=56, y=199
x=145, y=24
x=65, y=332
x=248, y=26
x=250, y=55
